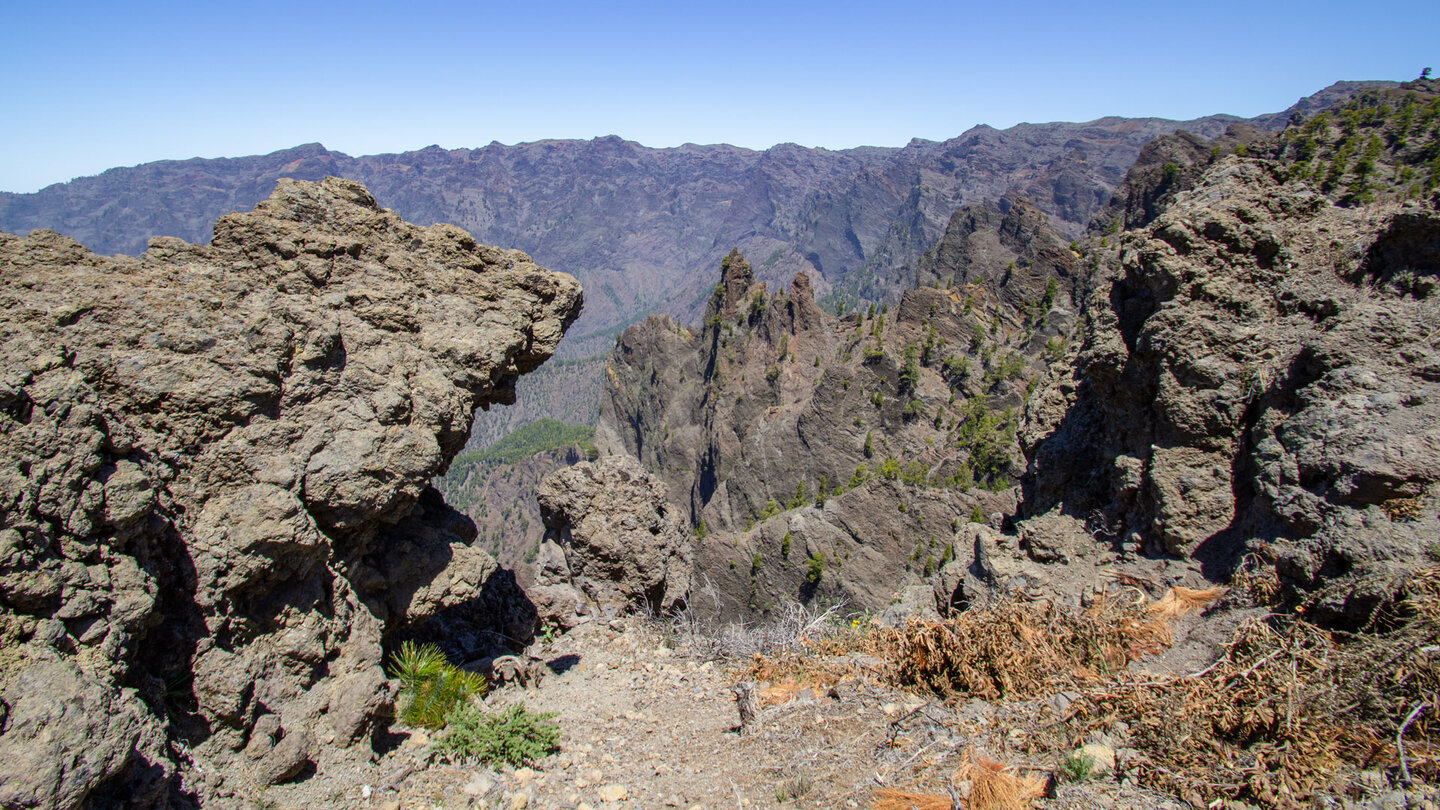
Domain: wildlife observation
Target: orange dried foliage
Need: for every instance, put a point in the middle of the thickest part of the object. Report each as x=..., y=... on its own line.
x=1180, y=601
x=888, y=799
x=1020, y=649
x=995, y=785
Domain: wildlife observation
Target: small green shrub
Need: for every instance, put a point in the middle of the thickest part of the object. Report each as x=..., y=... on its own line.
x=512, y=736
x=431, y=688
x=800, y=498
x=815, y=568
x=957, y=367
x=1077, y=767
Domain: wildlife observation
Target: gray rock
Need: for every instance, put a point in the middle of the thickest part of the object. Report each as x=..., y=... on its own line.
x=1254, y=369
x=625, y=546
x=66, y=733
x=216, y=478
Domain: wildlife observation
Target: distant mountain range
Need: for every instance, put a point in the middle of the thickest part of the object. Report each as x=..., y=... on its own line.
x=644, y=229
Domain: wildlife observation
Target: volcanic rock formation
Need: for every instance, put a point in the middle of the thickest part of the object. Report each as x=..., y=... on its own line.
x=832, y=457
x=216, y=504
x=1256, y=389
x=611, y=533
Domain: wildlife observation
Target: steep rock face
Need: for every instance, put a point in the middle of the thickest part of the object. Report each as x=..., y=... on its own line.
x=1256, y=374
x=820, y=456
x=217, y=502
x=613, y=535
x=1013, y=254
x=1167, y=166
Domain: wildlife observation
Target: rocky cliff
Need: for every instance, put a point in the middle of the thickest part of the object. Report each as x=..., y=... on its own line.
x=818, y=455
x=1255, y=386
x=217, y=508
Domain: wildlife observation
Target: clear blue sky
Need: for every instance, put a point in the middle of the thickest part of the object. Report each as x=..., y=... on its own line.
x=89, y=85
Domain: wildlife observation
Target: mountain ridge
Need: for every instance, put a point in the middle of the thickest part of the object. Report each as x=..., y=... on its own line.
x=641, y=227
x=181, y=197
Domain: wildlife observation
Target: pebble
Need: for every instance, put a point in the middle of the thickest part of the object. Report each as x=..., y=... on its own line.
x=478, y=786
x=613, y=793
x=524, y=775
x=1102, y=756
x=520, y=801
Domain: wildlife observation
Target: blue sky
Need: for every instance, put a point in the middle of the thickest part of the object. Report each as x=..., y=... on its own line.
x=95, y=85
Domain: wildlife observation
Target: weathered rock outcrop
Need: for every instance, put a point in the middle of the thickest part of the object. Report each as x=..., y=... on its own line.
x=611, y=533
x=1257, y=373
x=1215, y=410
x=1011, y=253
x=216, y=489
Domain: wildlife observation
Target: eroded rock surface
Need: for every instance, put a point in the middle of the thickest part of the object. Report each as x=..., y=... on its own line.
x=619, y=541
x=830, y=458
x=216, y=489
x=1255, y=380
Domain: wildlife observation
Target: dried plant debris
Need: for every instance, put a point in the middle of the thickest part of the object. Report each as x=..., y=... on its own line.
x=1288, y=713
x=994, y=785
x=1016, y=649
x=981, y=783
x=891, y=799
x=1289, y=709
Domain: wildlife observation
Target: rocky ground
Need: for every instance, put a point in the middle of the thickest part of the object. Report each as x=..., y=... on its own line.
x=649, y=720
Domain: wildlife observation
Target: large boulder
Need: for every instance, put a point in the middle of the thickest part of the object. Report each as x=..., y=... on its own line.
x=1256, y=381
x=624, y=546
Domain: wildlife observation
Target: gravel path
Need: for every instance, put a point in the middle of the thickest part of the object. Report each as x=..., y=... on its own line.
x=645, y=726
